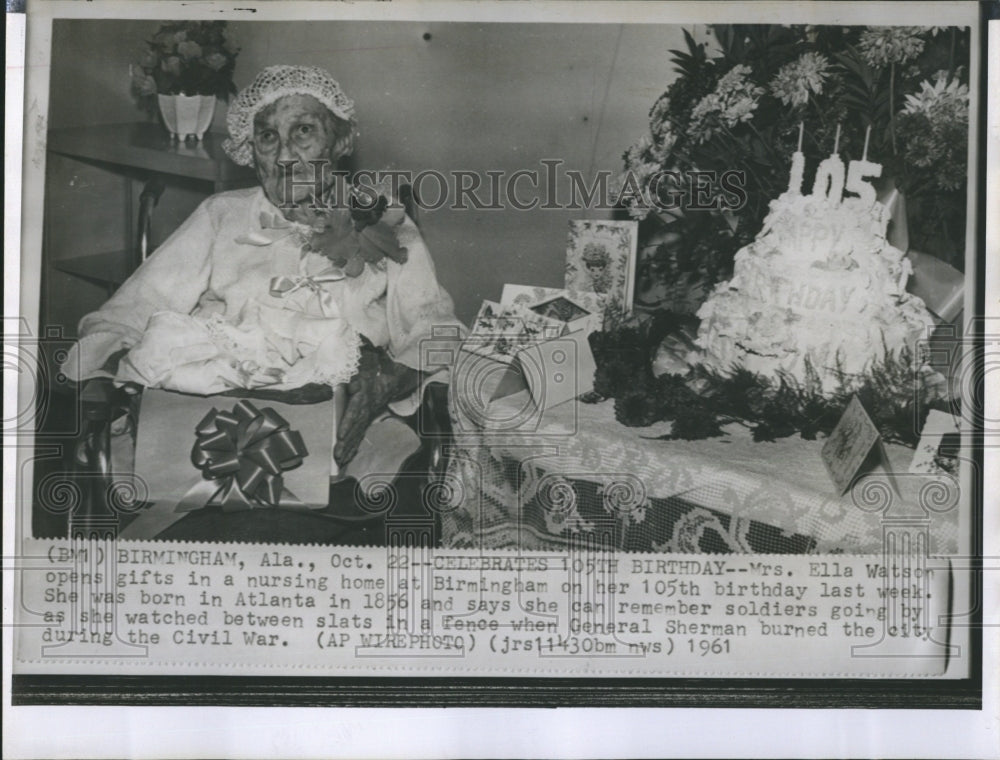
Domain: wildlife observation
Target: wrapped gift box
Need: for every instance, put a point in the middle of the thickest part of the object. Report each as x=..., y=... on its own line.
x=196, y=451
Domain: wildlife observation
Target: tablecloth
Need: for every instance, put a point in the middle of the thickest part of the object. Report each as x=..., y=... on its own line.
x=573, y=472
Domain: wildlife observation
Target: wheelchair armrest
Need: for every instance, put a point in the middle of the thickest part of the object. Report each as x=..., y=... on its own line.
x=100, y=404
x=434, y=427
x=99, y=399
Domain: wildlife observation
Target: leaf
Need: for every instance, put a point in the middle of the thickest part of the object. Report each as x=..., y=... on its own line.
x=689, y=63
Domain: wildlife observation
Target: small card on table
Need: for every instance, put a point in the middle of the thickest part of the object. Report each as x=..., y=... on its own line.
x=577, y=309
x=849, y=445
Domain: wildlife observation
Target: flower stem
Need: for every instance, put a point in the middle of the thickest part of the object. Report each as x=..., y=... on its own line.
x=892, y=106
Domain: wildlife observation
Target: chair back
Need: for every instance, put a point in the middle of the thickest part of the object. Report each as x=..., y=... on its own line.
x=148, y=199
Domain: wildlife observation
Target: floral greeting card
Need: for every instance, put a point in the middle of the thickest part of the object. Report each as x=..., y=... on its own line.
x=601, y=257
x=501, y=331
x=576, y=308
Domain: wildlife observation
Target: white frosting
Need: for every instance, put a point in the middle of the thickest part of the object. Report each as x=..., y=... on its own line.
x=819, y=288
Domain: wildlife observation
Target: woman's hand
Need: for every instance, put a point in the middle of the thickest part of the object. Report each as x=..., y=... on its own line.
x=378, y=381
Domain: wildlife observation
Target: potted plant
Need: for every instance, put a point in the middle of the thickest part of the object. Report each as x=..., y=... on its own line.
x=186, y=66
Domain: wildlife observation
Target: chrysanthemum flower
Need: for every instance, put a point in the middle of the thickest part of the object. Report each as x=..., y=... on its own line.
x=733, y=101
x=942, y=98
x=884, y=45
x=795, y=81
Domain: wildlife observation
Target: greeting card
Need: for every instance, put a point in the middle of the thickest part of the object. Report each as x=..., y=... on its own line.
x=601, y=258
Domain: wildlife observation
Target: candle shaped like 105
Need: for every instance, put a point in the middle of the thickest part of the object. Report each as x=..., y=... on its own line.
x=831, y=179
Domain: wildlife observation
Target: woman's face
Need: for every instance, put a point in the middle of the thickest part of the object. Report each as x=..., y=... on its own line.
x=289, y=134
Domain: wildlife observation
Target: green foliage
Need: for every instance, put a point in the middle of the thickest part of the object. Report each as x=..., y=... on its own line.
x=698, y=404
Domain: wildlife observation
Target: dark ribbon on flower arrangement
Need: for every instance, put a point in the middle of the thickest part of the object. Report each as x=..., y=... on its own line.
x=243, y=453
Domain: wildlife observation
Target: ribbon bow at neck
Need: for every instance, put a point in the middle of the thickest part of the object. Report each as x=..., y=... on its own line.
x=273, y=221
x=244, y=452
x=284, y=285
x=273, y=227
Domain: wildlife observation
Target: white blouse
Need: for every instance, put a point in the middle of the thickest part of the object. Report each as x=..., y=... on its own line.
x=220, y=267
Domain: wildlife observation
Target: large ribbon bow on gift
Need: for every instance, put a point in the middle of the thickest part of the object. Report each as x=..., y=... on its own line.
x=247, y=450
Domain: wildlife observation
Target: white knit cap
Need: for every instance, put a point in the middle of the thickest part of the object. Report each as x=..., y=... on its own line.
x=272, y=83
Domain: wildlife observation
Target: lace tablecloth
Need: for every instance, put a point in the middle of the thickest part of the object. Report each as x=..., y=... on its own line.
x=575, y=473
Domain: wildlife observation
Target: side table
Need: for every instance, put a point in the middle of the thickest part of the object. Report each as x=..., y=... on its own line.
x=147, y=148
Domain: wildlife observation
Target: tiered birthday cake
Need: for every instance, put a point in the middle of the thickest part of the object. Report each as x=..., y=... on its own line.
x=820, y=293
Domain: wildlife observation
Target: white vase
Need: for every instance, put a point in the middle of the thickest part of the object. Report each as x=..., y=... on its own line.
x=187, y=115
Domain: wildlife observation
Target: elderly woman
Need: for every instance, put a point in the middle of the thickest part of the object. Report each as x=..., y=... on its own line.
x=282, y=285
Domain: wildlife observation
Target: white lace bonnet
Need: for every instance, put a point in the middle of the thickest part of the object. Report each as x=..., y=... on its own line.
x=272, y=83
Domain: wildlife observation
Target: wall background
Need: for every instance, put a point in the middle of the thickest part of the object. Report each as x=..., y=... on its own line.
x=471, y=97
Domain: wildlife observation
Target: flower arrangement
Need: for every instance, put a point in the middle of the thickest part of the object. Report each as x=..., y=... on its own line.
x=741, y=107
x=186, y=58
